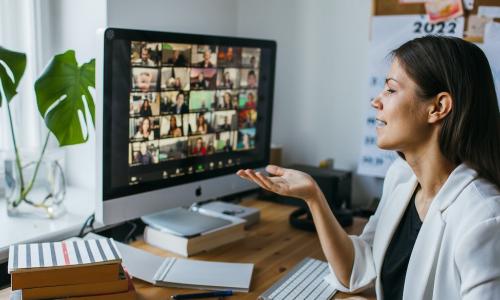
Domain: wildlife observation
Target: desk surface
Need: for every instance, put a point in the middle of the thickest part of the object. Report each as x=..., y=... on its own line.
x=272, y=245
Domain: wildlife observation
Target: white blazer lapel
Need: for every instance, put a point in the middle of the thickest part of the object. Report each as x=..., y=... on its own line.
x=419, y=279
x=390, y=218
x=419, y=282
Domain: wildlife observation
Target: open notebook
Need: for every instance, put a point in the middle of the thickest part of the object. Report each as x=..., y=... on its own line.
x=187, y=273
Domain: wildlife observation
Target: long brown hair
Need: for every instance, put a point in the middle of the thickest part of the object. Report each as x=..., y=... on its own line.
x=471, y=132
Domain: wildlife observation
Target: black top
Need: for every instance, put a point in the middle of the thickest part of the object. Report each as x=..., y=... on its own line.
x=398, y=254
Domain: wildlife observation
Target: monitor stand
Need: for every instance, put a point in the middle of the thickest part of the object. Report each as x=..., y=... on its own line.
x=183, y=222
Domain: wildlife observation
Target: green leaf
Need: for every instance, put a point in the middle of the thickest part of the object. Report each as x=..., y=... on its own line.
x=61, y=93
x=16, y=63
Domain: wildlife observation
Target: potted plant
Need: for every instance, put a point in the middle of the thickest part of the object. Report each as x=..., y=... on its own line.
x=63, y=97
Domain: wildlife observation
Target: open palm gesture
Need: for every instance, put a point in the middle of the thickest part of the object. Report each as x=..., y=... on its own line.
x=286, y=182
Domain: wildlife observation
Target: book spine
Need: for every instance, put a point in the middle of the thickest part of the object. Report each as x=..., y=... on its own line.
x=65, y=276
x=165, y=241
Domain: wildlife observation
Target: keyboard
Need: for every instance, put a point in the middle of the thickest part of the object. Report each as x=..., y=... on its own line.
x=303, y=282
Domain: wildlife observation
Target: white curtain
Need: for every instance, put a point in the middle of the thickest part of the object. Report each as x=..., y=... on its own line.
x=20, y=30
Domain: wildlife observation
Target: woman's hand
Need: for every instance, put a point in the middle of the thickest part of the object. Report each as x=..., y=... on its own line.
x=286, y=182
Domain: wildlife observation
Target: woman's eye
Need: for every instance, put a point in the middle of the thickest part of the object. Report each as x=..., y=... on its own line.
x=390, y=91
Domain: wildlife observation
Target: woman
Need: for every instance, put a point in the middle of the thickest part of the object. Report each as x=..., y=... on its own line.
x=226, y=101
x=436, y=232
x=144, y=132
x=174, y=131
x=199, y=147
x=201, y=125
x=145, y=110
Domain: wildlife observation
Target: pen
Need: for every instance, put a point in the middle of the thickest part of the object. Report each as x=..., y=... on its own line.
x=202, y=295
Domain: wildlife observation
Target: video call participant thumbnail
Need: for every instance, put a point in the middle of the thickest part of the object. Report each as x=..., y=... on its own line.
x=177, y=55
x=248, y=99
x=143, y=153
x=250, y=58
x=201, y=101
x=246, y=139
x=224, y=120
x=228, y=78
x=249, y=78
x=203, y=79
x=175, y=79
x=247, y=118
x=229, y=57
x=198, y=123
x=171, y=126
x=144, y=79
x=201, y=145
x=144, y=104
x=204, y=56
x=146, y=128
x=224, y=100
x=145, y=54
x=225, y=141
x=173, y=149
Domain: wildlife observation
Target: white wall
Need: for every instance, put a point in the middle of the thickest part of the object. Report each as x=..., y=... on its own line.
x=191, y=16
x=71, y=24
x=320, y=92
x=321, y=78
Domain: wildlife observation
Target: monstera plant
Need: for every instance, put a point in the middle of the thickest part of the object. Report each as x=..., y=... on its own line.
x=62, y=96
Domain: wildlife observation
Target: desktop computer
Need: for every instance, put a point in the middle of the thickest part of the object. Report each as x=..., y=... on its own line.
x=176, y=116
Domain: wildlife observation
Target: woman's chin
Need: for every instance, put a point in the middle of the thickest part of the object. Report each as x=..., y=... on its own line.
x=384, y=145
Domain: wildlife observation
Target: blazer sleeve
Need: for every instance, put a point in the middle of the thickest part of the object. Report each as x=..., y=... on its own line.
x=478, y=261
x=363, y=270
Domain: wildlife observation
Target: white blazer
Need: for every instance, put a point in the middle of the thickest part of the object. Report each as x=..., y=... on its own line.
x=457, y=251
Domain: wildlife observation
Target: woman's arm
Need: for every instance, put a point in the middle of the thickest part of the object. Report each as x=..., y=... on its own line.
x=336, y=244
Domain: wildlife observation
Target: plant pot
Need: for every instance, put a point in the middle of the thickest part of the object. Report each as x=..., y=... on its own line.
x=39, y=196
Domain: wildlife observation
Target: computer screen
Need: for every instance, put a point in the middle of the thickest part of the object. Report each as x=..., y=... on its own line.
x=180, y=109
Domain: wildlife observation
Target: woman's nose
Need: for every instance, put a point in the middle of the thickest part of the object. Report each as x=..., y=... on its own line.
x=376, y=103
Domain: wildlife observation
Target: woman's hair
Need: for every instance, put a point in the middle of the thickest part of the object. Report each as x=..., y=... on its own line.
x=470, y=133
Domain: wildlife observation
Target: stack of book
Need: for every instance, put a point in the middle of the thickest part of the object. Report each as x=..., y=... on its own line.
x=78, y=269
x=188, y=246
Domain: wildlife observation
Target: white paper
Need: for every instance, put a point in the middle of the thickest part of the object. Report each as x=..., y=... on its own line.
x=492, y=52
x=469, y=4
x=489, y=11
x=388, y=33
x=492, y=33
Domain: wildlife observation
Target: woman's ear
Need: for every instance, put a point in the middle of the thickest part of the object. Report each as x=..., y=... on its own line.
x=440, y=107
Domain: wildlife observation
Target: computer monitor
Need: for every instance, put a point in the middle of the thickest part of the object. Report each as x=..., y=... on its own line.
x=176, y=116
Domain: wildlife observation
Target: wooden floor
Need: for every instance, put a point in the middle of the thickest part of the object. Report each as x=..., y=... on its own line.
x=272, y=245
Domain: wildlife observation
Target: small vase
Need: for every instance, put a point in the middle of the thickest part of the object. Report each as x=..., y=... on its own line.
x=39, y=197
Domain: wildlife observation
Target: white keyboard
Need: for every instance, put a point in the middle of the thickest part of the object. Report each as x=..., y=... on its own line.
x=304, y=281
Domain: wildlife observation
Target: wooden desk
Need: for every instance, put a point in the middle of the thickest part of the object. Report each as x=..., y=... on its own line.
x=272, y=245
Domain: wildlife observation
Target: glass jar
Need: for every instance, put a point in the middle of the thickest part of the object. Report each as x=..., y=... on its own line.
x=37, y=188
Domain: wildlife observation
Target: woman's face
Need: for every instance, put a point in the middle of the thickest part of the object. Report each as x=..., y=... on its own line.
x=173, y=122
x=144, y=81
x=401, y=119
x=145, y=126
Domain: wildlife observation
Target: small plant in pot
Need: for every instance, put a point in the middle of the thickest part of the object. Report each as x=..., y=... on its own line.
x=34, y=180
